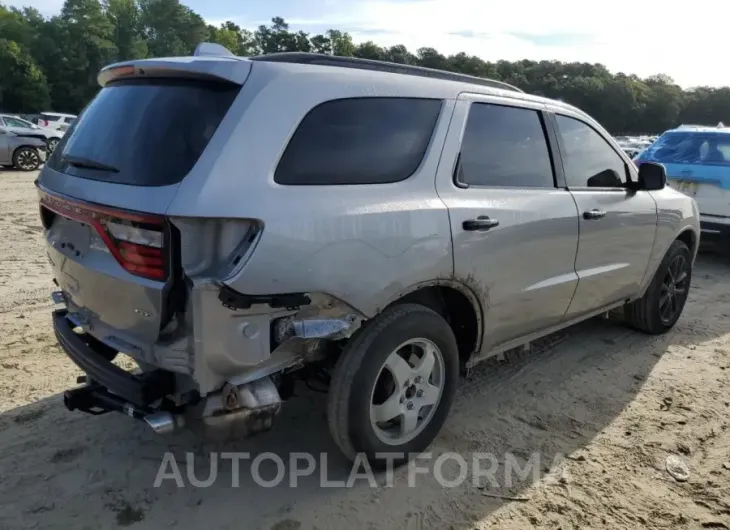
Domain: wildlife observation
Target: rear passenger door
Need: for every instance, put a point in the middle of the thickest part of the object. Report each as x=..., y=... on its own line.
x=617, y=225
x=515, y=232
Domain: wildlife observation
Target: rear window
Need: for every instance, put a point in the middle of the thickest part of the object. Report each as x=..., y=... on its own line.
x=48, y=117
x=144, y=132
x=359, y=141
x=705, y=148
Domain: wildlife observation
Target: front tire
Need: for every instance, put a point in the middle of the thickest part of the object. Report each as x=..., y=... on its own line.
x=52, y=144
x=661, y=306
x=26, y=159
x=393, y=386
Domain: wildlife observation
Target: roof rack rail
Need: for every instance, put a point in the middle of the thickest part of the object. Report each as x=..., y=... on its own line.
x=379, y=66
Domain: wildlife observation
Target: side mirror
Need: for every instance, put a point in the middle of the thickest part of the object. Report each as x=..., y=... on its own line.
x=652, y=176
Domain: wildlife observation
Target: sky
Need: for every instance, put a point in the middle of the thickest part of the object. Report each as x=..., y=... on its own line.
x=642, y=37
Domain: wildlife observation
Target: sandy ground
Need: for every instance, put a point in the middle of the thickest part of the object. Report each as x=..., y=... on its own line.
x=614, y=402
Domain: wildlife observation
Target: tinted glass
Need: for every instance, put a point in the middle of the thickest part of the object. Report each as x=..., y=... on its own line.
x=588, y=160
x=359, y=141
x=144, y=132
x=504, y=146
x=706, y=148
x=50, y=118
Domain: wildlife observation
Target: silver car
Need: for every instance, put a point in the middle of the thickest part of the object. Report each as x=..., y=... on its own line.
x=30, y=130
x=21, y=152
x=236, y=225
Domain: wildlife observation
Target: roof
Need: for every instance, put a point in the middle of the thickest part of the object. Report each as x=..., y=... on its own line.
x=719, y=128
x=58, y=114
x=380, y=66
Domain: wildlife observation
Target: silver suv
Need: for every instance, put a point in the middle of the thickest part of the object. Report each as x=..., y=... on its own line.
x=239, y=224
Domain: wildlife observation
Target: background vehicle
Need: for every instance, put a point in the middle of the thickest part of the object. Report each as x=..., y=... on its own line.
x=21, y=152
x=395, y=225
x=56, y=120
x=697, y=160
x=29, y=130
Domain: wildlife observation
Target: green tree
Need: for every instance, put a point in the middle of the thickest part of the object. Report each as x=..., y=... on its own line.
x=125, y=19
x=23, y=86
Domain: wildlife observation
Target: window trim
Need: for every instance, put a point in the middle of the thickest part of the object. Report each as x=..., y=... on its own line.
x=553, y=117
x=557, y=169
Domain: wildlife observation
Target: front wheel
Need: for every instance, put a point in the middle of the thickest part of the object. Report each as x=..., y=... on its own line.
x=393, y=386
x=26, y=159
x=52, y=143
x=662, y=304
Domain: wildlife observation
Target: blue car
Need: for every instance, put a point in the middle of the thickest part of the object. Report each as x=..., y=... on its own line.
x=697, y=160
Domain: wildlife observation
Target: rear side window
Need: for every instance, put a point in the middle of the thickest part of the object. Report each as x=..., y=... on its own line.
x=504, y=146
x=144, y=132
x=50, y=118
x=359, y=141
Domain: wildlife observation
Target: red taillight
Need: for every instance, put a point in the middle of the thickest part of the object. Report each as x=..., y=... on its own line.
x=142, y=260
x=136, y=240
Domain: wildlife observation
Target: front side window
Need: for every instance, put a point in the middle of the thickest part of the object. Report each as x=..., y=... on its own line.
x=588, y=160
x=15, y=122
x=504, y=146
x=359, y=141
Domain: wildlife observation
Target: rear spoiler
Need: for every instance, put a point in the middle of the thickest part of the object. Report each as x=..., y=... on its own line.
x=211, y=67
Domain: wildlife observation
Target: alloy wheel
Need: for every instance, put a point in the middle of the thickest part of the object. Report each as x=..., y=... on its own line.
x=674, y=289
x=407, y=391
x=28, y=160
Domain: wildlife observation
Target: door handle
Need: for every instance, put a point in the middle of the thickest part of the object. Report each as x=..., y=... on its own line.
x=594, y=214
x=480, y=224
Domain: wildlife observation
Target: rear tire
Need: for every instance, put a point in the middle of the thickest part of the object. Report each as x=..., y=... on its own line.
x=393, y=386
x=661, y=306
x=26, y=159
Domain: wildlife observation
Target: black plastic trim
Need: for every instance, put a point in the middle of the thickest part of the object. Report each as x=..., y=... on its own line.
x=140, y=390
x=232, y=299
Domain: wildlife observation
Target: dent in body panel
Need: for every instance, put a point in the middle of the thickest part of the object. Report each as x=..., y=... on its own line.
x=230, y=344
x=364, y=257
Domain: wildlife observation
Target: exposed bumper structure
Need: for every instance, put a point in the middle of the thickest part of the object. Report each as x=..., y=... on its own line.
x=94, y=358
x=234, y=411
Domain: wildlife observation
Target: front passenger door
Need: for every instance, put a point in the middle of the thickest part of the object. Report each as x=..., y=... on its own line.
x=617, y=225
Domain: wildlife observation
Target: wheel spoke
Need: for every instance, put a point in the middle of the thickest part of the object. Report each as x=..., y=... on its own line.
x=430, y=396
x=388, y=410
x=674, y=304
x=681, y=277
x=425, y=367
x=400, y=369
x=409, y=422
x=663, y=300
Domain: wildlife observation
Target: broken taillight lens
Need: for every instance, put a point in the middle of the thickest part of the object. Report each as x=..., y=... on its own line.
x=136, y=240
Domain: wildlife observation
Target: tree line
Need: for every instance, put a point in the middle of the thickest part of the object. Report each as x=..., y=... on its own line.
x=52, y=63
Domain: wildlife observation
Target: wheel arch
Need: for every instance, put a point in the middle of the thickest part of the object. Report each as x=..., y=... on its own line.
x=689, y=237
x=454, y=300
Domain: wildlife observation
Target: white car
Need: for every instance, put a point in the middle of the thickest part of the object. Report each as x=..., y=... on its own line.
x=28, y=129
x=56, y=120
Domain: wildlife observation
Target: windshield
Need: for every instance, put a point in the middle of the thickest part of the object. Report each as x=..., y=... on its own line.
x=681, y=147
x=144, y=132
